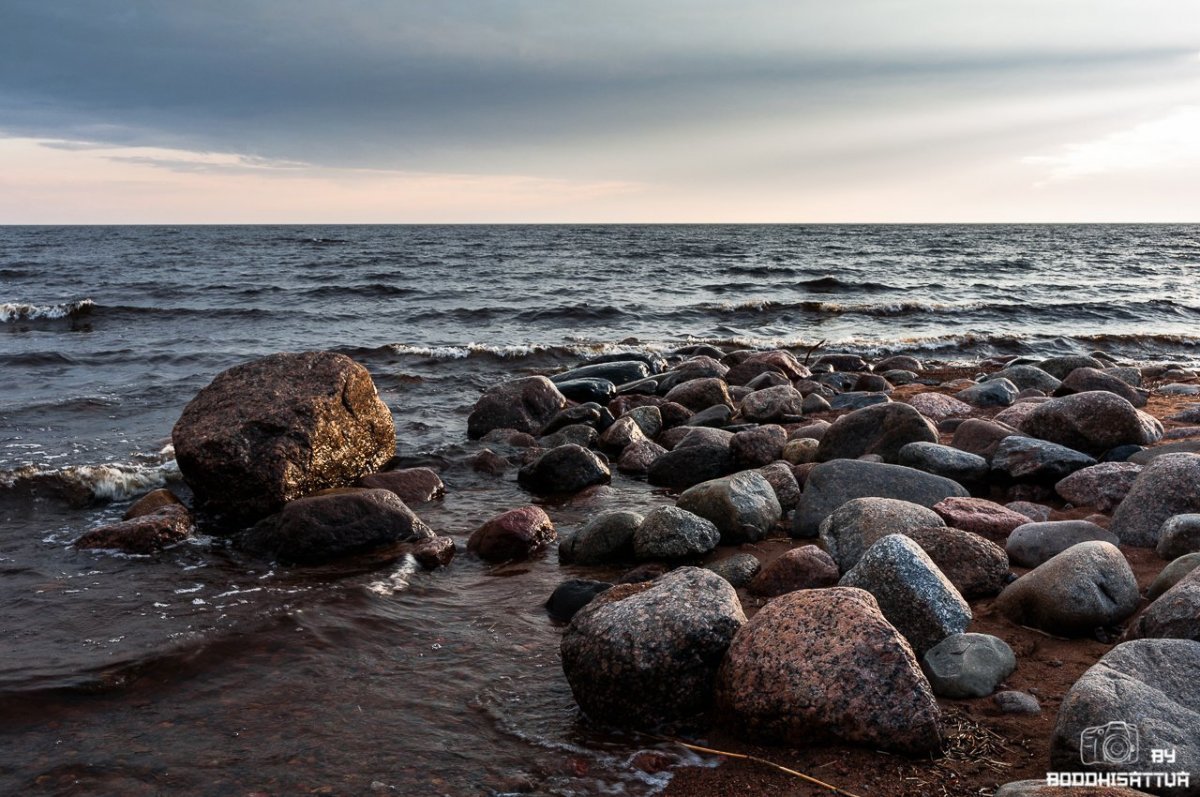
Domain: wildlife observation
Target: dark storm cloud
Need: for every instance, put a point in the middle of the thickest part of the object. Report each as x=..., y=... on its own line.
x=488, y=85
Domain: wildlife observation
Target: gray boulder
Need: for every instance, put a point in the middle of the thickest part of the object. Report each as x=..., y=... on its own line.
x=1081, y=380
x=1092, y=422
x=1168, y=486
x=742, y=506
x=882, y=429
x=858, y=524
x=686, y=465
x=1179, y=535
x=642, y=654
x=1087, y=586
x=738, y=569
x=783, y=481
x=1103, y=486
x=993, y=393
x=606, y=538
x=1173, y=615
x=1027, y=377
x=961, y=466
x=1027, y=459
x=968, y=665
x=912, y=592
x=831, y=484
x=1061, y=367
x=782, y=403
x=857, y=400
x=566, y=469
x=1151, y=687
x=669, y=532
x=1013, y=702
x=981, y=437
x=637, y=459
x=1172, y=574
x=1035, y=543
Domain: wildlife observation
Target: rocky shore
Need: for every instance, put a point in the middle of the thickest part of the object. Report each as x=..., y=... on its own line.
x=898, y=577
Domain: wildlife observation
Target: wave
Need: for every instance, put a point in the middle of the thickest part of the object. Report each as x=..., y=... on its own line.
x=831, y=284
x=578, y=349
x=371, y=290
x=18, y=311
x=81, y=485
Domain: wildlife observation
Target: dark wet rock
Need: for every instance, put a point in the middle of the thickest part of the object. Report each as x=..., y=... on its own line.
x=616, y=373
x=831, y=484
x=800, y=451
x=1028, y=459
x=968, y=665
x=961, y=466
x=588, y=414
x=578, y=434
x=433, y=552
x=1127, y=374
x=641, y=388
x=1092, y=422
x=271, y=430
x=814, y=403
x=742, y=506
x=882, y=430
x=1179, y=535
x=674, y=415
x=588, y=390
x=773, y=404
x=1082, y=380
x=626, y=402
x=572, y=595
x=512, y=535
x=979, y=516
x=858, y=524
x=857, y=401
x=1061, y=367
x=776, y=361
x=654, y=362
x=900, y=377
x=322, y=528
x=766, y=379
x=783, y=481
x=1170, y=575
x=1168, y=486
x=1034, y=543
x=649, y=419
x=993, y=393
x=938, y=406
x=738, y=569
x=1103, y=486
x=1173, y=615
x=647, y=571
x=813, y=430
x=754, y=448
x=1038, y=513
x=411, y=485
x=1151, y=684
x=1148, y=455
x=637, y=459
x=151, y=502
x=1026, y=377
x=899, y=361
x=981, y=437
x=700, y=394
x=510, y=437
x=566, y=469
x=913, y=594
x=704, y=436
x=1013, y=702
x=701, y=367
x=975, y=566
x=871, y=383
x=643, y=654
x=624, y=432
x=488, y=461
x=143, y=534
x=843, y=362
x=1087, y=586
x=715, y=416
x=606, y=538
x=819, y=664
x=526, y=405
x=806, y=567
x=686, y=465
x=669, y=532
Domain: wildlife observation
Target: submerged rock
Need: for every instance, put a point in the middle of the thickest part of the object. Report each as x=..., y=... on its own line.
x=526, y=405
x=566, y=469
x=515, y=534
x=142, y=534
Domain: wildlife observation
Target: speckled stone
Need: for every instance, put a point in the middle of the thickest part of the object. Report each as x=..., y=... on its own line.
x=738, y=569
x=566, y=469
x=1168, y=486
x=1092, y=422
x=819, y=664
x=939, y=406
x=980, y=516
x=1013, y=702
x=858, y=524
x=144, y=534
x=1027, y=459
x=754, y=448
x=669, y=532
x=993, y=393
x=637, y=458
x=1178, y=536
x=782, y=403
x=642, y=654
x=526, y=405
x=882, y=429
x=1103, y=486
x=806, y=567
x=742, y=506
x=913, y=594
x=624, y=432
x=1170, y=575
x=1027, y=376
x=606, y=538
x=412, y=485
x=1034, y=543
x=515, y=534
x=1173, y=615
x=783, y=481
x=975, y=566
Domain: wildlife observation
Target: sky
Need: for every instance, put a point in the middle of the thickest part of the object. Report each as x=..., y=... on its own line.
x=498, y=111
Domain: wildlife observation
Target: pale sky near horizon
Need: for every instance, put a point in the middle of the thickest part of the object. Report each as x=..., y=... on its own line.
x=308, y=111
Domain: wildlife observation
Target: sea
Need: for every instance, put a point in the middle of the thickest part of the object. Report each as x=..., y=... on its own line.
x=203, y=671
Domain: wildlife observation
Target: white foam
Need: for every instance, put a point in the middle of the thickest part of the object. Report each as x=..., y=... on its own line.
x=118, y=481
x=19, y=311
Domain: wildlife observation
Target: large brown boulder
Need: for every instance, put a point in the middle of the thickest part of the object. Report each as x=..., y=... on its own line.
x=275, y=429
x=527, y=405
x=515, y=534
x=824, y=663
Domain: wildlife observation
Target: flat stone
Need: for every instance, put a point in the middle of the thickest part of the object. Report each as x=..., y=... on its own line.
x=939, y=406
x=145, y=533
x=1082, y=380
x=1026, y=377
x=961, y=466
x=980, y=516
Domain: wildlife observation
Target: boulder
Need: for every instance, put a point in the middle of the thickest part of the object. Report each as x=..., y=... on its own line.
x=831, y=484
x=1147, y=687
x=1103, y=486
x=566, y=469
x=638, y=458
x=858, y=524
x=913, y=594
x=512, y=535
x=814, y=403
x=1092, y=422
x=1083, y=380
x=756, y=447
x=742, y=506
x=669, y=532
x=993, y=393
x=961, y=466
x=1061, y=367
x=526, y=404
x=686, y=465
x=1147, y=455
x=606, y=538
x=643, y=654
x=980, y=516
x=700, y=367
x=980, y=437
x=782, y=403
x=1168, y=486
x=1173, y=615
x=819, y=664
x=939, y=407
x=738, y=569
x=975, y=566
x=600, y=391
x=882, y=429
x=1087, y=586
x=618, y=372
x=624, y=432
x=1034, y=543
x=275, y=429
x=806, y=567
x=1027, y=459
x=783, y=481
x=968, y=665
x=1026, y=377
x=1170, y=575
x=1179, y=535
x=151, y=502
x=572, y=595
x=700, y=394
x=322, y=528
x=411, y=485
x=142, y=534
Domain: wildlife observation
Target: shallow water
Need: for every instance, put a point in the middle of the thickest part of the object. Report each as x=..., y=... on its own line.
x=200, y=671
